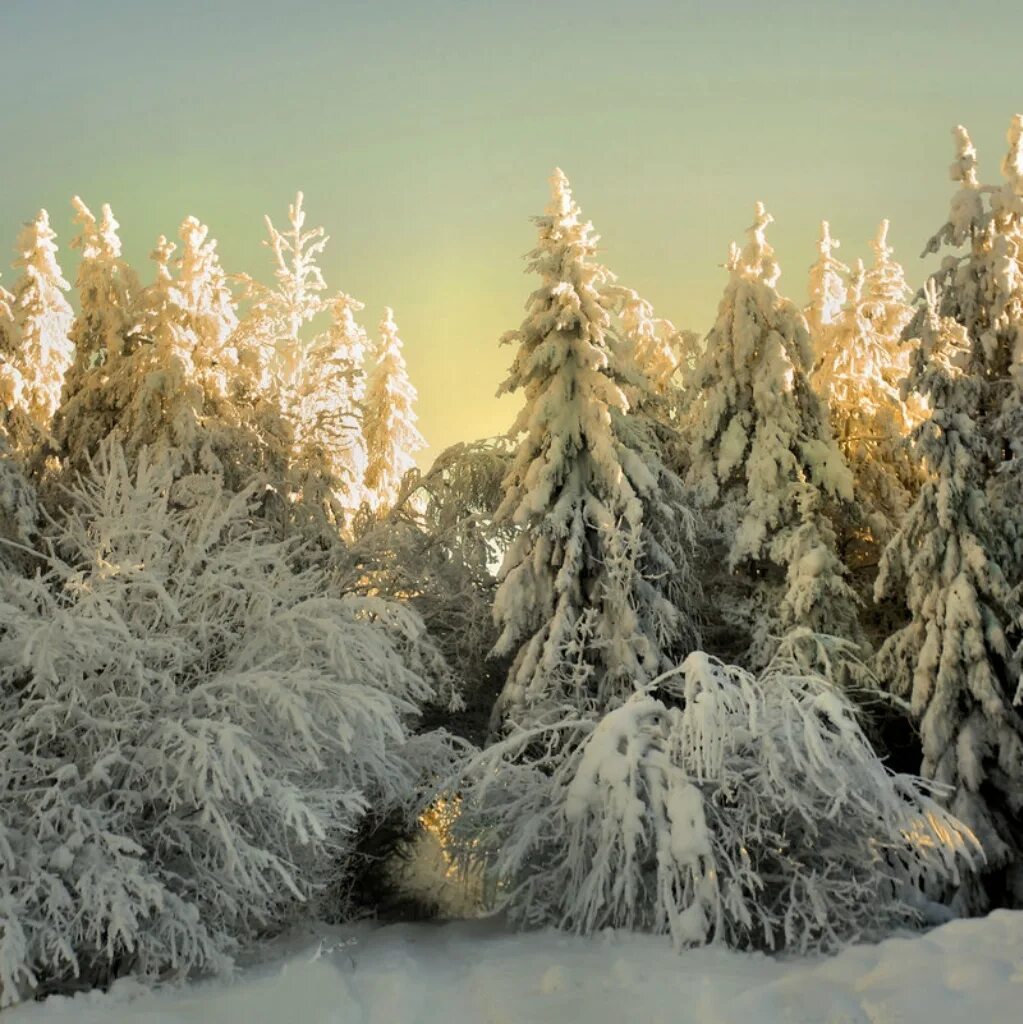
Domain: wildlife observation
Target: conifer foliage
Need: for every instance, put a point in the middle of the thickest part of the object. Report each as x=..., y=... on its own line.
x=237, y=621
x=38, y=348
x=392, y=437
x=192, y=730
x=859, y=372
x=102, y=334
x=765, y=465
x=954, y=553
x=578, y=604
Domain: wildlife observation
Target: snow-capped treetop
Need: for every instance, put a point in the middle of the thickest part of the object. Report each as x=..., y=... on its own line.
x=964, y=167
x=176, y=389
x=1012, y=162
x=349, y=337
x=272, y=352
x=325, y=411
x=763, y=459
x=654, y=345
x=886, y=290
x=756, y=259
x=580, y=603
x=966, y=215
x=108, y=291
x=296, y=298
x=299, y=278
x=953, y=659
x=203, y=288
x=860, y=373
x=392, y=438
x=42, y=320
x=827, y=289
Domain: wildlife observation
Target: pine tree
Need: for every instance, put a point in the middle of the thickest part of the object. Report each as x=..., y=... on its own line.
x=954, y=554
x=39, y=350
x=827, y=291
x=108, y=291
x=392, y=438
x=588, y=588
x=765, y=465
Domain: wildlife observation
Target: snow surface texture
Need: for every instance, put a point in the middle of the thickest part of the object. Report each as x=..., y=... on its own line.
x=477, y=972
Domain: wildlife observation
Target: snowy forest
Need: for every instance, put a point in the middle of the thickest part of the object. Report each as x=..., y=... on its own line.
x=720, y=641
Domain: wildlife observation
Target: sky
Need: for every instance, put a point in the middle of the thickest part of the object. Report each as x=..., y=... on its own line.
x=423, y=133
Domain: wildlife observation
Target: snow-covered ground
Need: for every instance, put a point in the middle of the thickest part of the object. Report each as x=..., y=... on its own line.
x=967, y=972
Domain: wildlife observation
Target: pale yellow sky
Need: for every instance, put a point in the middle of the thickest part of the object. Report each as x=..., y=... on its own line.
x=423, y=135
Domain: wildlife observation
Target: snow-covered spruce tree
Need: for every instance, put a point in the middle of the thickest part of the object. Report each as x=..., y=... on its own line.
x=649, y=355
x=766, y=467
x=954, y=555
x=389, y=425
x=177, y=388
x=329, y=461
x=655, y=345
x=591, y=599
x=108, y=291
x=827, y=291
x=38, y=350
x=271, y=329
x=713, y=806
x=190, y=731
x=859, y=373
x=887, y=294
x=1006, y=322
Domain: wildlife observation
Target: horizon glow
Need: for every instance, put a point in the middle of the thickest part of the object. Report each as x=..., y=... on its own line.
x=423, y=134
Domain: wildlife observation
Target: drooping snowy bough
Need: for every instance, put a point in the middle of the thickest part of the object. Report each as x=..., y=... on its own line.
x=714, y=806
x=190, y=731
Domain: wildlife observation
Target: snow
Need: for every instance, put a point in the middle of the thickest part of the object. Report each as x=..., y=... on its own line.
x=478, y=972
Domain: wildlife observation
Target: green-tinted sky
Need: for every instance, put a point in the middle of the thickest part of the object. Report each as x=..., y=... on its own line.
x=423, y=134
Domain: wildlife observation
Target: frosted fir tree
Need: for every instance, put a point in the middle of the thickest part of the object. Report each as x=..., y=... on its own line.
x=650, y=357
x=887, y=295
x=953, y=660
x=859, y=373
x=39, y=350
x=389, y=424
x=590, y=599
x=329, y=460
x=108, y=291
x=766, y=467
x=827, y=290
x=1007, y=214
x=957, y=556
x=655, y=345
x=271, y=332
x=177, y=389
